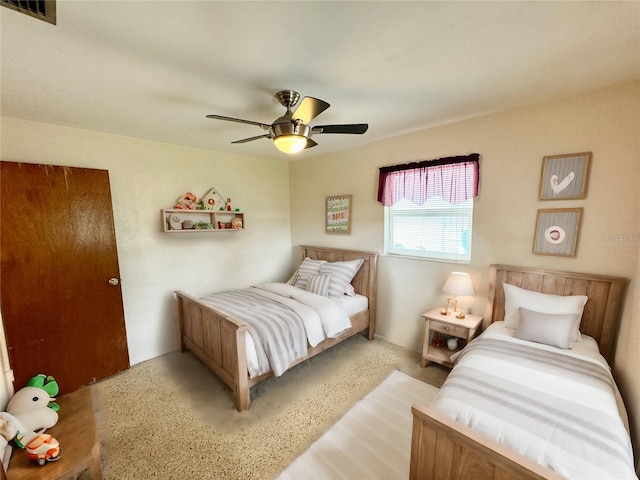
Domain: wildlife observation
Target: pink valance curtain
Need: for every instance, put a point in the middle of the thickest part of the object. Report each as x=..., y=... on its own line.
x=454, y=179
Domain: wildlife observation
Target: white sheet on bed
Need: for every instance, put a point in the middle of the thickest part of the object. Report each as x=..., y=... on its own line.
x=563, y=414
x=354, y=304
x=333, y=320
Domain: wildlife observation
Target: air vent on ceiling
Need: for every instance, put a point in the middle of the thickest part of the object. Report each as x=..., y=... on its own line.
x=42, y=9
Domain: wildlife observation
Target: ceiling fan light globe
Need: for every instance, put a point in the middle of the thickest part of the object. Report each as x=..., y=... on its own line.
x=290, y=143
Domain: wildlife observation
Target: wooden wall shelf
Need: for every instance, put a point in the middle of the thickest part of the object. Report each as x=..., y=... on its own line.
x=189, y=221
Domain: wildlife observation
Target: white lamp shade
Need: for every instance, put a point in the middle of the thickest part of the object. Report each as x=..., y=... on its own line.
x=290, y=143
x=458, y=283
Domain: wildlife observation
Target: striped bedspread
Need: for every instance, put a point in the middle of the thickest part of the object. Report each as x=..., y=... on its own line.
x=281, y=320
x=557, y=409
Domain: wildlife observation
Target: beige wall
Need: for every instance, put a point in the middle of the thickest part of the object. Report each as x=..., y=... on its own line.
x=511, y=145
x=148, y=176
x=631, y=355
x=285, y=206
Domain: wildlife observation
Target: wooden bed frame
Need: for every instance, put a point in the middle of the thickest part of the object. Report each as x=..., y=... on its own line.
x=444, y=449
x=219, y=341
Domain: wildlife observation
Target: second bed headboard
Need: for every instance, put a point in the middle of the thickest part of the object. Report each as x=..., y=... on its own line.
x=601, y=312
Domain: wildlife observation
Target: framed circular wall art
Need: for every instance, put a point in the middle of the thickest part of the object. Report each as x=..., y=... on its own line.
x=557, y=231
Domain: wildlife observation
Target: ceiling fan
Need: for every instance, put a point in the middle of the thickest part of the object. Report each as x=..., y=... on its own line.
x=291, y=132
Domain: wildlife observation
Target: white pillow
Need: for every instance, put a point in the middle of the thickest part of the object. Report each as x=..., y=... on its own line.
x=351, y=291
x=319, y=284
x=515, y=297
x=549, y=328
x=307, y=268
x=341, y=275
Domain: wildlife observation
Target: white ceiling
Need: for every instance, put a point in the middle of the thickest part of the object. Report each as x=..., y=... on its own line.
x=154, y=69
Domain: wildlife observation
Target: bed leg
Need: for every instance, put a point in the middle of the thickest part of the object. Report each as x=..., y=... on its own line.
x=242, y=395
x=367, y=333
x=242, y=399
x=183, y=346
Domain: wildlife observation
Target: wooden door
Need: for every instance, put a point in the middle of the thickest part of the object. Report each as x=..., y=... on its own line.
x=61, y=314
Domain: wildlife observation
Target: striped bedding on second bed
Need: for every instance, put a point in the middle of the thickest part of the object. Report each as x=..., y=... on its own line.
x=558, y=409
x=277, y=331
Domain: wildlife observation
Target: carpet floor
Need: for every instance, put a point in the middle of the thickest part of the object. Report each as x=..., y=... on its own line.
x=171, y=418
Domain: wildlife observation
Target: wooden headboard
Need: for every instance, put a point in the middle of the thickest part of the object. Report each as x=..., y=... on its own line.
x=601, y=312
x=365, y=280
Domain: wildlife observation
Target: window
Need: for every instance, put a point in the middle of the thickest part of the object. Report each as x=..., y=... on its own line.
x=429, y=208
x=436, y=229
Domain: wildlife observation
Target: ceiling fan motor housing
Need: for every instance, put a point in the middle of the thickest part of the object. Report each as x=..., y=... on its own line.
x=290, y=128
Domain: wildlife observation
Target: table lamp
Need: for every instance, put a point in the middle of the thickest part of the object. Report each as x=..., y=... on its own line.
x=458, y=283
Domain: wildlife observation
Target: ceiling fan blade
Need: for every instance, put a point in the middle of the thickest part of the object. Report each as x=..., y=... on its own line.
x=353, y=128
x=309, y=109
x=251, y=139
x=239, y=120
x=310, y=143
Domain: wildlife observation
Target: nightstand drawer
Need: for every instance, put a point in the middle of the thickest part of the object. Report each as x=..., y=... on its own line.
x=448, y=329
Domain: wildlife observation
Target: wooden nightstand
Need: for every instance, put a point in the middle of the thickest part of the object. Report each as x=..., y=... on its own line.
x=464, y=329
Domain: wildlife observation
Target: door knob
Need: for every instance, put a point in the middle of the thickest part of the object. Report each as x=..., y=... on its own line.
x=114, y=281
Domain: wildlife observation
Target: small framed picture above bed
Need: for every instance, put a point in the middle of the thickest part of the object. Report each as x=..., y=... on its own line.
x=338, y=214
x=565, y=177
x=557, y=231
